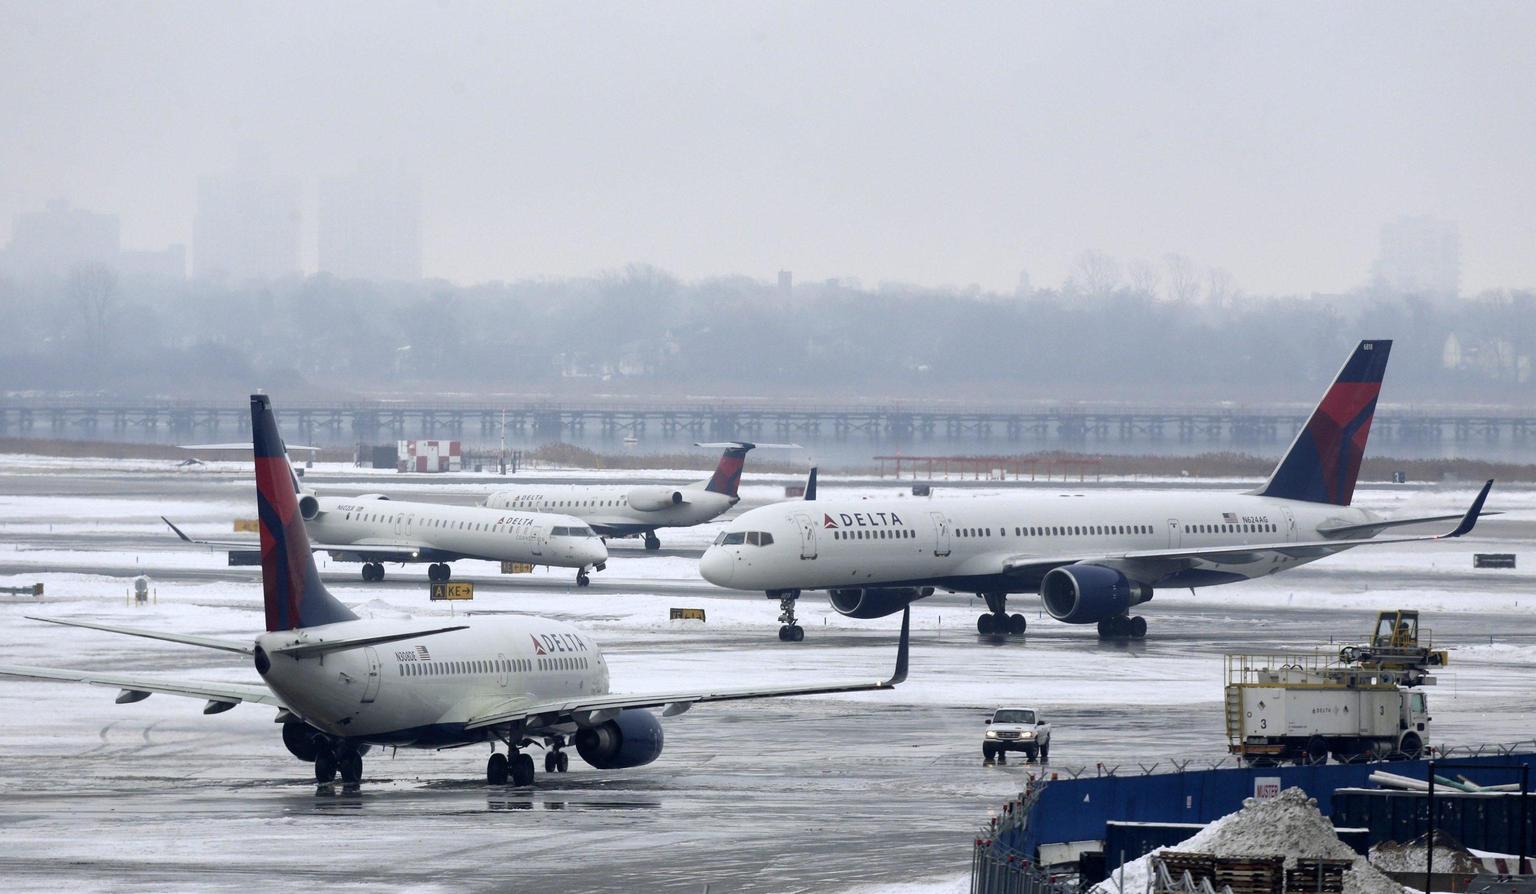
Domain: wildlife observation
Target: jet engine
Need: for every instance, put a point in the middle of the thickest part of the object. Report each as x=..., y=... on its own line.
x=654, y=499
x=302, y=740
x=876, y=602
x=309, y=507
x=1086, y=594
x=632, y=739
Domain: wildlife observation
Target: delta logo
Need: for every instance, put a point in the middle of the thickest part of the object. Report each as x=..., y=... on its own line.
x=861, y=520
x=545, y=643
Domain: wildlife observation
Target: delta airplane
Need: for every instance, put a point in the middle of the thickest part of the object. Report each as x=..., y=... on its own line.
x=1090, y=557
x=373, y=529
x=342, y=685
x=625, y=510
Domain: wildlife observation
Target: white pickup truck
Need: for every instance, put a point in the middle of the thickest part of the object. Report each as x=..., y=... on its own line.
x=1016, y=729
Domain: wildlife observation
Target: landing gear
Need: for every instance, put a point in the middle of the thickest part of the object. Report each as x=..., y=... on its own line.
x=652, y=543
x=522, y=770
x=438, y=571
x=351, y=767
x=344, y=759
x=373, y=571
x=997, y=620
x=556, y=760
x=496, y=769
x=325, y=767
x=1123, y=627
x=789, y=631
x=582, y=580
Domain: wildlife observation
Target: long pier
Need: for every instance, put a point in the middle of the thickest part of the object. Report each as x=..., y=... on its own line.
x=377, y=421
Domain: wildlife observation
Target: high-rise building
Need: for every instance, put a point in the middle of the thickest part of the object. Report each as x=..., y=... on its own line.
x=53, y=241
x=370, y=226
x=1419, y=256
x=247, y=226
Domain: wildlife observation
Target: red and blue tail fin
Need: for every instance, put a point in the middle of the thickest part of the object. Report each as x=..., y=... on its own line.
x=1324, y=460
x=727, y=477
x=289, y=580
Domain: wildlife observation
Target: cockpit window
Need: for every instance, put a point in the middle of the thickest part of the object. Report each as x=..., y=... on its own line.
x=732, y=538
x=572, y=531
x=759, y=538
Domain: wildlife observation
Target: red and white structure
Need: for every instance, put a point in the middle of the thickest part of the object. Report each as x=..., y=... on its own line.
x=428, y=456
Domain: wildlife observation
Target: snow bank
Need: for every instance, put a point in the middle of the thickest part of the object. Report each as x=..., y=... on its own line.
x=1289, y=825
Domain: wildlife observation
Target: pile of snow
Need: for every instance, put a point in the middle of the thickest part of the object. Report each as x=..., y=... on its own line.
x=1289, y=826
x=1450, y=856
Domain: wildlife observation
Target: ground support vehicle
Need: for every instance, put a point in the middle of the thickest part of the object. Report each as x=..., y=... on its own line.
x=1016, y=729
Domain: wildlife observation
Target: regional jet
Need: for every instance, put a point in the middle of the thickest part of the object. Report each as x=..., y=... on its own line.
x=341, y=684
x=1091, y=557
x=638, y=510
x=373, y=529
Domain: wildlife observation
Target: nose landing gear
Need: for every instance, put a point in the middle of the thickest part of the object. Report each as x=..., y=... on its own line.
x=582, y=579
x=997, y=620
x=439, y=571
x=652, y=542
x=789, y=631
x=373, y=571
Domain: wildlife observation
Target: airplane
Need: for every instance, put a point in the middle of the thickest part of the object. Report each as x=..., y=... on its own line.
x=622, y=510
x=373, y=529
x=1091, y=557
x=342, y=685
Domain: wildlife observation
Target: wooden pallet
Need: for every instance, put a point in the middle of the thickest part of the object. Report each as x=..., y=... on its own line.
x=1317, y=876
x=1251, y=875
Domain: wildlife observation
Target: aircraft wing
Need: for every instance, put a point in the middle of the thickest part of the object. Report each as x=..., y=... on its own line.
x=220, y=696
x=383, y=548
x=1150, y=565
x=598, y=708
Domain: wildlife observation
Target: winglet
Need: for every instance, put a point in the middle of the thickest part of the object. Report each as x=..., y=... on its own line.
x=810, y=484
x=1469, y=520
x=901, y=650
x=179, y=532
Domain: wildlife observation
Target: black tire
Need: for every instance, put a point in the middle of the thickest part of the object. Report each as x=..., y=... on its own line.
x=783, y=634
x=988, y=751
x=1106, y=628
x=1138, y=627
x=1017, y=624
x=496, y=770
x=368, y=572
x=582, y=580
x=325, y=767
x=652, y=543
x=549, y=762
x=446, y=572
x=1411, y=746
x=352, y=768
x=1029, y=754
x=984, y=624
x=796, y=633
x=522, y=770
x=562, y=762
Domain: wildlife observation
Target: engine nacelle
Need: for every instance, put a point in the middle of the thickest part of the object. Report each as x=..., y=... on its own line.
x=653, y=499
x=876, y=602
x=309, y=507
x=632, y=739
x=302, y=740
x=1086, y=594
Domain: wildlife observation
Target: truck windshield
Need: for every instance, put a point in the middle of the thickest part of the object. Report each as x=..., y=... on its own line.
x=1014, y=715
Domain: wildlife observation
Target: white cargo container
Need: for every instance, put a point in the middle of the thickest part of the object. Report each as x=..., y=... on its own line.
x=1304, y=708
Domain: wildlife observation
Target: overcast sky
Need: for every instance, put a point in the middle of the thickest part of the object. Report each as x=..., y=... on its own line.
x=923, y=142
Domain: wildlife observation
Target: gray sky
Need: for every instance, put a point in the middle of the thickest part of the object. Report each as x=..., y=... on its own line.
x=923, y=142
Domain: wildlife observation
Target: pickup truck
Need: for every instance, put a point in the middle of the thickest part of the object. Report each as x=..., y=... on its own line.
x=1016, y=729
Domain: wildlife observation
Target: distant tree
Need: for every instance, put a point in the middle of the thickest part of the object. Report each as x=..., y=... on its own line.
x=1094, y=273
x=1143, y=276
x=1221, y=289
x=1183, y=281
x=93, y=290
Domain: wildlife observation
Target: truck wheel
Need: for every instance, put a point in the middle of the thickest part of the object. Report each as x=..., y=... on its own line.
x=1029, y=754
x=1411, y=746
x=1317, y=751
x=988, y=752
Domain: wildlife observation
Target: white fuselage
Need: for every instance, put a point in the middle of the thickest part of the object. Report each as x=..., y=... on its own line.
x=962, y=543
x=438, y=532
x=618, y=510
x=422, y=691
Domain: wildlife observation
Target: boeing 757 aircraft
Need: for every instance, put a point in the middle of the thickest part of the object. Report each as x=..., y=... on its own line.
x=625, y=510
x=373, y=529
x=1091, y=557
x=341, y=684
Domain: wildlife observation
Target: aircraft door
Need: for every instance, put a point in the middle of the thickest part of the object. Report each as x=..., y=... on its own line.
x=501, y=670
x=807, y=536
x=940, y=533
x=1290, y=524
x=1175, y=536
x=536, y=542
x=371, y=685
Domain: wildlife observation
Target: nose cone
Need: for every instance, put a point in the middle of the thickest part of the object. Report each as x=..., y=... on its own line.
x=718, y=566
x=594, y=551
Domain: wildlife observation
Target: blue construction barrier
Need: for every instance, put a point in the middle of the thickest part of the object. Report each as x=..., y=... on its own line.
x=1067, y=810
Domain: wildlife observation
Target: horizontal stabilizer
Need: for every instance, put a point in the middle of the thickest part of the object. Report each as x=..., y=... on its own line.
x=1370, y=528
x=323, y=647
x=206, y=642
